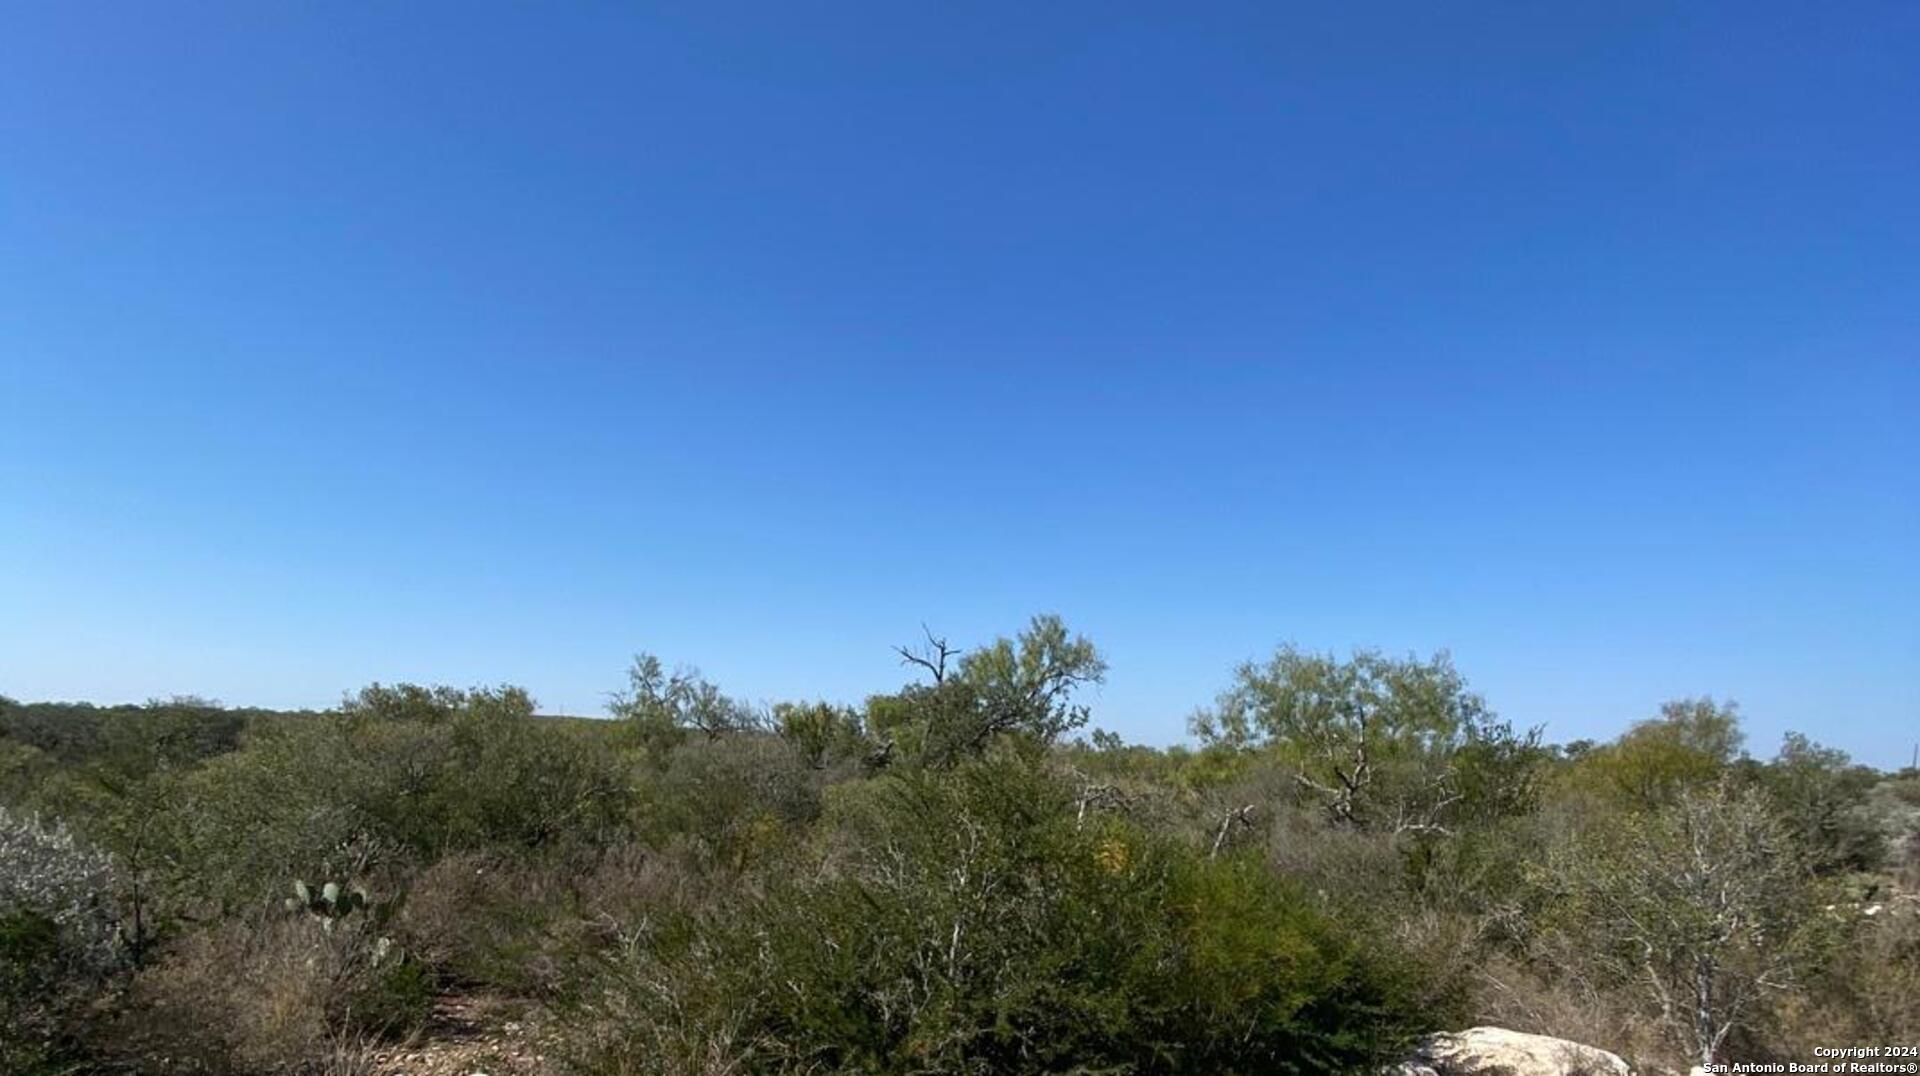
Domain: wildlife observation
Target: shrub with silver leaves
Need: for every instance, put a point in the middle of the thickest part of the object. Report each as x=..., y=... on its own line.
x=47, y=871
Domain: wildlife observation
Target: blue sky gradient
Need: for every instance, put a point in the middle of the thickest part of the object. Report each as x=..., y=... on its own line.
x=476, y=343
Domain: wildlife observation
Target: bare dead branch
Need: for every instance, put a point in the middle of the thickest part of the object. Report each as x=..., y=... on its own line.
x=932, y=657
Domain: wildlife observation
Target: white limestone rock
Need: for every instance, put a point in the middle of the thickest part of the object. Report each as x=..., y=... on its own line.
x=1495, y=1051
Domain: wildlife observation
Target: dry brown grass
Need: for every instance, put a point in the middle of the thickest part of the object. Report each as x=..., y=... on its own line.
x=488, y=922
x=274, y=995
x=1511, y=996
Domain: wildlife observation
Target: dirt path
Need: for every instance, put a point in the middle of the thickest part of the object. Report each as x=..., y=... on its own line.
x=469, y=1036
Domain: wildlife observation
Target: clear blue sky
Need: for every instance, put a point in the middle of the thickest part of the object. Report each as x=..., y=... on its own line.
x=478, y=343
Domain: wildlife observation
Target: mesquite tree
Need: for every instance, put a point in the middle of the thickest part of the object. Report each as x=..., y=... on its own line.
x=1386, y=744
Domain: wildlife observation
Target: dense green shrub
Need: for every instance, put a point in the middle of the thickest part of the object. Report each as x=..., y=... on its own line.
x=736, y=797
x=24, y=771
x=497, y=922
x=972, y=922
x=37, y=993
x=1822, y=797
x=391, y=784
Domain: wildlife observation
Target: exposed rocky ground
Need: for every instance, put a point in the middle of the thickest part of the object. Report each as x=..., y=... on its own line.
x=470, y=1036
x=1496, y=1051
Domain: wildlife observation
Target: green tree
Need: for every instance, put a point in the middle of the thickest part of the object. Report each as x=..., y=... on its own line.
x=820, y=731
x=1690, y=745
x=404, y=702
x=1822, y=796
x=664, y=708
x=1026, y=684
x=1398, y=745
x=1022, y=688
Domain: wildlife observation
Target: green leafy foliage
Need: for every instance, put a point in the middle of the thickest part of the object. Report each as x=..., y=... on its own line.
x=36, y=996
x=661, y=710
x=940, y=880
x=966, y=920
x=821, y=732
x=1399, y=745
x=1822, y=797
x=1022, y=688
x=1690, y=745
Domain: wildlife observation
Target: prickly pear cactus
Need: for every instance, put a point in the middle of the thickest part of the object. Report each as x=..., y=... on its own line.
x=328, y=904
